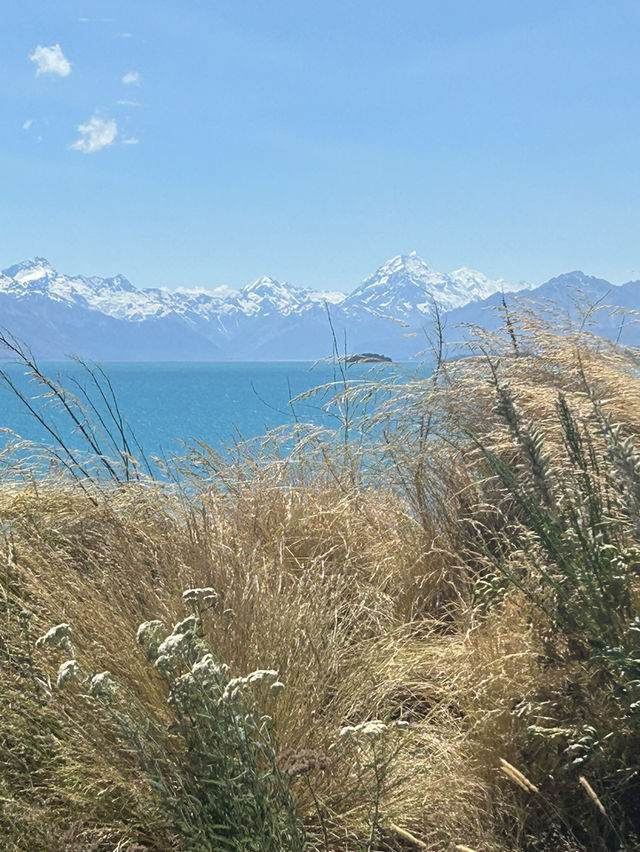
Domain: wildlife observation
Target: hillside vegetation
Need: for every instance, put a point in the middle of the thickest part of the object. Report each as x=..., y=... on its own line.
x=420, y=631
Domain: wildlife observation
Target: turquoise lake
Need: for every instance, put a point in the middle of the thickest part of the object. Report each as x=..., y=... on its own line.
x=166, y=403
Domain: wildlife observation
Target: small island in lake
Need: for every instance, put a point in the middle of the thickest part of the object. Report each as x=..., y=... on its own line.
x=368, y=358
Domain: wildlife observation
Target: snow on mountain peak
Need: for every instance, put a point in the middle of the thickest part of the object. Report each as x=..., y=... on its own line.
x=410, y=263
x=30, y=270
x=221, y=292
x=266, y=295
x=31, y=263
x=119, y=282
x=289, y=296
x=264, y=284
x=479, y=285
x=332, y=297
x=406, y=285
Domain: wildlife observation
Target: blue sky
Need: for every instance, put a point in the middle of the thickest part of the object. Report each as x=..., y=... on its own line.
x=312, y=140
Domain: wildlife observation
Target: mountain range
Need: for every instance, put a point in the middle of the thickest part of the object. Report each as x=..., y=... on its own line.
x=109, y=319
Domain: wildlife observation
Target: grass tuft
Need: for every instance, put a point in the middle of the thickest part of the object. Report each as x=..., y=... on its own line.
x=451, y=579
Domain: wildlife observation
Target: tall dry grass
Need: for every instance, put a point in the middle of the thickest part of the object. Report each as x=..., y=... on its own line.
x=391, y=576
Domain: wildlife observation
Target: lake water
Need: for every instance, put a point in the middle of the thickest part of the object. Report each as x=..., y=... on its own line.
x=165, y=403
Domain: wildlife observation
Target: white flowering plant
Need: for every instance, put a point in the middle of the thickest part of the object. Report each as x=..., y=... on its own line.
x=228, y=791
x=214, y=767
x=371, y=747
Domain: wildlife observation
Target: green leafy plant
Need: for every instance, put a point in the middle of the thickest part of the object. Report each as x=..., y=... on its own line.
x=571, y=505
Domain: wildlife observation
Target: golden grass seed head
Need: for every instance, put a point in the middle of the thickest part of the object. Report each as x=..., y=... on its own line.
x=518, y=777
x=592, y=794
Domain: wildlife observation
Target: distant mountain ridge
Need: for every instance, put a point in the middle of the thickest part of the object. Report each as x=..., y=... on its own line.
x=118, y=297
x=110, y=319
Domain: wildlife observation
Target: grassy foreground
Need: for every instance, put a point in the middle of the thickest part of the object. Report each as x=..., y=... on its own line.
x=462, y=555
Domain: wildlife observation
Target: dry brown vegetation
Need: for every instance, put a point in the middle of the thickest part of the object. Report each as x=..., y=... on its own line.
x=393, y=577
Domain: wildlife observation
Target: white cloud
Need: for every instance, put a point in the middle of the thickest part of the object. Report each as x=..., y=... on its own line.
x=50, y=60
x=27, y=124
x=129, y=103
x=123, y=35
x=132, y=140
x=96, y=134
x=131, y=78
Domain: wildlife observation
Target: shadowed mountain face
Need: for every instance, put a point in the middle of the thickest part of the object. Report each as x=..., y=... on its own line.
x=390, y=312
x=573, y=296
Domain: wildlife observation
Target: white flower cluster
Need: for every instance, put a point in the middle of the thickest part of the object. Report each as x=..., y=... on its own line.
x=150, y=632
x=208, y=668
x=102, y=686
x=206, y=676
x=260, y=676
x=206, y=595
x=188, y=623
x=57, y=637
x=373, y=729
x=175, y=645
x=67, y=671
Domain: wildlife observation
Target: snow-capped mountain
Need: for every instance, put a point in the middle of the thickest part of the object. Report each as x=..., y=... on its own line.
x=406, y=284
x=117, y=297
x=111, y=319
x=266, y=296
